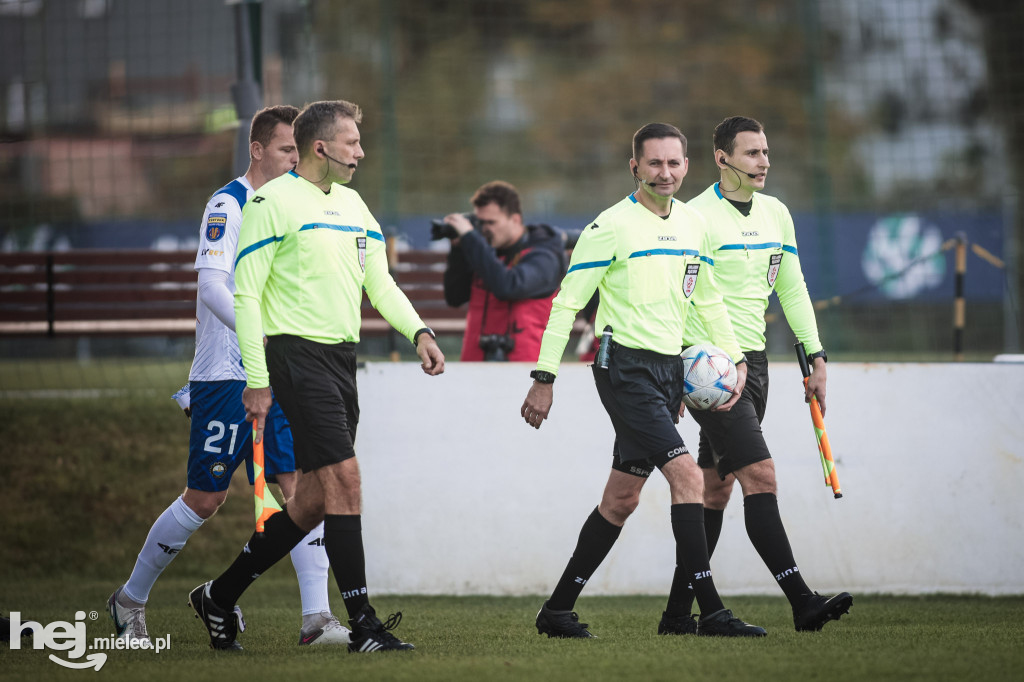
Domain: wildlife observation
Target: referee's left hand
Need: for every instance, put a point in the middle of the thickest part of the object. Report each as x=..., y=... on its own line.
x=741, y=381
x=815, y=387
x=257, y=402
x=431, y=357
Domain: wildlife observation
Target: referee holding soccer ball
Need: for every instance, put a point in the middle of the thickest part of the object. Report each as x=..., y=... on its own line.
x=648, y=257
x=754, y=248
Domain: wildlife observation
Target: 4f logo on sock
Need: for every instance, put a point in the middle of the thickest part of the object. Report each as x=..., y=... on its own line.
x=580, y=581
x=167, y=548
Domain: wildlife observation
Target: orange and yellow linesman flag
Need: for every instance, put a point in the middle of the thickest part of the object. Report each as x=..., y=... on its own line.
x=828, y=465
x=266, y=503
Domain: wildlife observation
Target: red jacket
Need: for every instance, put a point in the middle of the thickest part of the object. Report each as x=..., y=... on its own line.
x=509, y=291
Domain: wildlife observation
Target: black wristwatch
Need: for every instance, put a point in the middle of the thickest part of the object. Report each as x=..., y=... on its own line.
x=542, y=377
x=424, y=330
x=820, y=354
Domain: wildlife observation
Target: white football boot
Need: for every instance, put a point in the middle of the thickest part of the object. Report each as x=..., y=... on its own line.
x=129, y=617
x=323, y=628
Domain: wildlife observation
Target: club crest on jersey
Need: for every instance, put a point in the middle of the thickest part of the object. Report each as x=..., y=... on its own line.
x=690, y=279
x=773, y=268
x=215, y=224
x=361, y=248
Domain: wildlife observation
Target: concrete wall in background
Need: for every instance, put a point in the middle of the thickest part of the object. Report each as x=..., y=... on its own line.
x=462, y=497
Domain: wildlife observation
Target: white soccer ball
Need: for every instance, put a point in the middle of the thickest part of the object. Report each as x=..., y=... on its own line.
x=709, y=376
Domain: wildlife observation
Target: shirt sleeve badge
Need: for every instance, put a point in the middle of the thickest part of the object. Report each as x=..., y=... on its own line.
x=690, y=279
x=361, y=248
x=773, y=268
x=215, y=224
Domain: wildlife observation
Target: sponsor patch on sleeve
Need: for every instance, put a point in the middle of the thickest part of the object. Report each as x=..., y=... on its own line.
x=773, y=268
x=690, y=278
x=361, y=249
x=215, y=226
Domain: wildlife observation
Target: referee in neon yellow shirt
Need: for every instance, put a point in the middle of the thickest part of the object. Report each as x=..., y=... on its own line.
x=649, y=256
x=307, y=250
x=754, y=246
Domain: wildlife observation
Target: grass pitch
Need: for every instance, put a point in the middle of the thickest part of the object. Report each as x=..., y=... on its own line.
x=493, y=638
x=86, y=477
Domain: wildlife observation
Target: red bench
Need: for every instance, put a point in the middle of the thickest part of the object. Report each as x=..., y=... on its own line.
x=96, y=292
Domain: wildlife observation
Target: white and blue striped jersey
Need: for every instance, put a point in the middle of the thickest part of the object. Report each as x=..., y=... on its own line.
x=217, y=356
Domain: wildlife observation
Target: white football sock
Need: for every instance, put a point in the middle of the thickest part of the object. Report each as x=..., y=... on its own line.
x=311, y=566
x=166, y=538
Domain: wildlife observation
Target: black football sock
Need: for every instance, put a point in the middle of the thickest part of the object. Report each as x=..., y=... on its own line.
x=713, y=528
x=596, y=540
x=692, y=552
x=680, y=598
x=768, y=535
x=343, y=542
x=280, y=534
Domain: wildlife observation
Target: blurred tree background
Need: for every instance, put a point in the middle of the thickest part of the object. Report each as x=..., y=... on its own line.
x=891, y=124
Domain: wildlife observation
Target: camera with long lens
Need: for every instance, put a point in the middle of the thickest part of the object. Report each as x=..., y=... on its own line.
x=496, y=347
x=439, y=229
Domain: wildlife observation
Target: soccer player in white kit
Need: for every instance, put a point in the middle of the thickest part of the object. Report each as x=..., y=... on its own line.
x=219, y=440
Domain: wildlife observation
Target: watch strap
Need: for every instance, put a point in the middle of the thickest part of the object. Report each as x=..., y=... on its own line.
x=422, y=330
x=542, y=377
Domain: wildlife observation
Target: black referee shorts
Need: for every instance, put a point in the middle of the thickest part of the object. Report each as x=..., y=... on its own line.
x=641, y=390
x=732, y=440
x=315, y=383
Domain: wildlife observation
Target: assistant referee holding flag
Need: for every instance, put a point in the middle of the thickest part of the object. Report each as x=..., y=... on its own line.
x=307, y=249
x=755, y=252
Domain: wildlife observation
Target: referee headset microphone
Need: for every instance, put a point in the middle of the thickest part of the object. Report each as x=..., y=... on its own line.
x=320, y=150
x=749, y=175
x=737, y=171
x=350, y=165
x=642, y=181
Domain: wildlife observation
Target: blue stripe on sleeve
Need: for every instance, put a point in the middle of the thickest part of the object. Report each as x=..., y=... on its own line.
x=255, y=247
x=709, y=261
x=790, y=249
x=591, y=264
x=375, y=235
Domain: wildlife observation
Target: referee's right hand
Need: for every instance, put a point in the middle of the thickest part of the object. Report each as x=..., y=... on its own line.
x=257, y=402
x=431, y=357
x=537, y=404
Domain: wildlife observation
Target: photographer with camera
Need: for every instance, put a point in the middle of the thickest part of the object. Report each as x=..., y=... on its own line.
x=509, y=272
